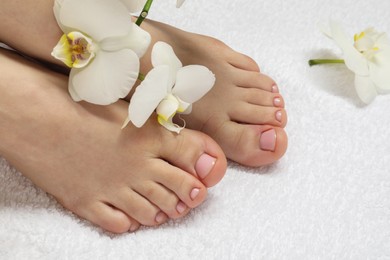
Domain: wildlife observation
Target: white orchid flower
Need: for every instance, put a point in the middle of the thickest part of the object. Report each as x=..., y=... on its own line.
x=169, y=88
x=368, y=56
x=102, y=46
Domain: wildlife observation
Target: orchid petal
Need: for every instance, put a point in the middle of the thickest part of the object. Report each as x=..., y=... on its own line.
x=163, y=54
x=137, y=40
x=170, y=125
x=167, y=107
x=98, y=18
x=193, y=82
x=110, y=76
x=365, y=89
x=354, y=60
x=148, y=95
x=380, y=71
x=179, y=3
x=134, y=6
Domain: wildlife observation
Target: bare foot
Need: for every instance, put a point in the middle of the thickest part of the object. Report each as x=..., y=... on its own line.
x=117, y=179
x=244, y=112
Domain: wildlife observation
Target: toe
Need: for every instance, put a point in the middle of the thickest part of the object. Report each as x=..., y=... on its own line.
x=252, y=145
x=138, y=207
x=164, y=199
x=108, y=218
x=250, y=79
x=259, y=115
x=197, y=154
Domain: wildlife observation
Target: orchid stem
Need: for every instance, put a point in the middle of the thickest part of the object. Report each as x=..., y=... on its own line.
x=141, y=76
x=144, y=12
x=325, y=61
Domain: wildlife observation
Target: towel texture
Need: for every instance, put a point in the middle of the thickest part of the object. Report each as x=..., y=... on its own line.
x=328, y=198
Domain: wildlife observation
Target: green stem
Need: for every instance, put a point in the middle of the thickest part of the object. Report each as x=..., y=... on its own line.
x=325, y=61
x=141, y=77
x=144, y=12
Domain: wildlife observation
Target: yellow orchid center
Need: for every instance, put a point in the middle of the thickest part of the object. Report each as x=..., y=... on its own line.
x=366, y=43
x=168, y=108
x=74, y=49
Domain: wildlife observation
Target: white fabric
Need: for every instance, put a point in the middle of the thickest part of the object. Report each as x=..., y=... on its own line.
x=328, y=198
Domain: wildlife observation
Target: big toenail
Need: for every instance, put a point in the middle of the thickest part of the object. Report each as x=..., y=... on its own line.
x=268, y=140
x=277, y=102
x=275, y=89
x=204, y=165
x=181, y=207
x=194, y=193
x=278, y=115
x=160, y=217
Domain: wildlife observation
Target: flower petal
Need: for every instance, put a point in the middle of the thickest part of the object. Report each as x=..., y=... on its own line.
x=110, y=76
x=365, y=89
x=134, y=6
x=169, y=125
x=137, y=40
x=193, y=82
x=163, y=54
x=353, y=59
x=167, y=108
x=380, y=71
x=148, y=95
x=97, y=18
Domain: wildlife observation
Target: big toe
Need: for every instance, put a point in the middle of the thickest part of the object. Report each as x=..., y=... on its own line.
x=252, y=145
x=196, y=153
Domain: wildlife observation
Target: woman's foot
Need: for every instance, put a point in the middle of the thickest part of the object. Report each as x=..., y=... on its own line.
x=244, y=112
x=117, y=179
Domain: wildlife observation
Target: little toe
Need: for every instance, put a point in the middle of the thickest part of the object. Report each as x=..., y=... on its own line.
x=108, y=218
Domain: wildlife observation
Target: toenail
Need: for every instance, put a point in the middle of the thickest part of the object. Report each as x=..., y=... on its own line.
x=133, y=228
x=204, y=165
x=275, y=89
x=268, y=140
x=160, y=217
x=194, y=193
x=277, y=102
x=181, y=207
x=278, y=115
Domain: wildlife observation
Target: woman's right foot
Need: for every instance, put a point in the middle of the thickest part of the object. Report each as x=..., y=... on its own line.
x=117, y=179
x=244, y=112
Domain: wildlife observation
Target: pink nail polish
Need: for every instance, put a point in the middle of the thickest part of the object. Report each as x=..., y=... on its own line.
x=194, y=193
x=204, y=165
x=275, y=89
x=268, y=140
x=181, y=207
x=277, y=102
x=278, y=115
x=160, y=217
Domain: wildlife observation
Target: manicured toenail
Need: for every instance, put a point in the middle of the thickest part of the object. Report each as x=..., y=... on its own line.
x=278, y=115
x=204, y=165
x=181, y=207
x=160, y=217
x=275, y=89
x=194, y=193
x=268, y=140
x=277, y=102
x=133, y=228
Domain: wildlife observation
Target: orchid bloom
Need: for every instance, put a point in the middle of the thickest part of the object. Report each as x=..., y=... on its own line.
x=368, y=56
x=169, y=88
x=101, y=46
